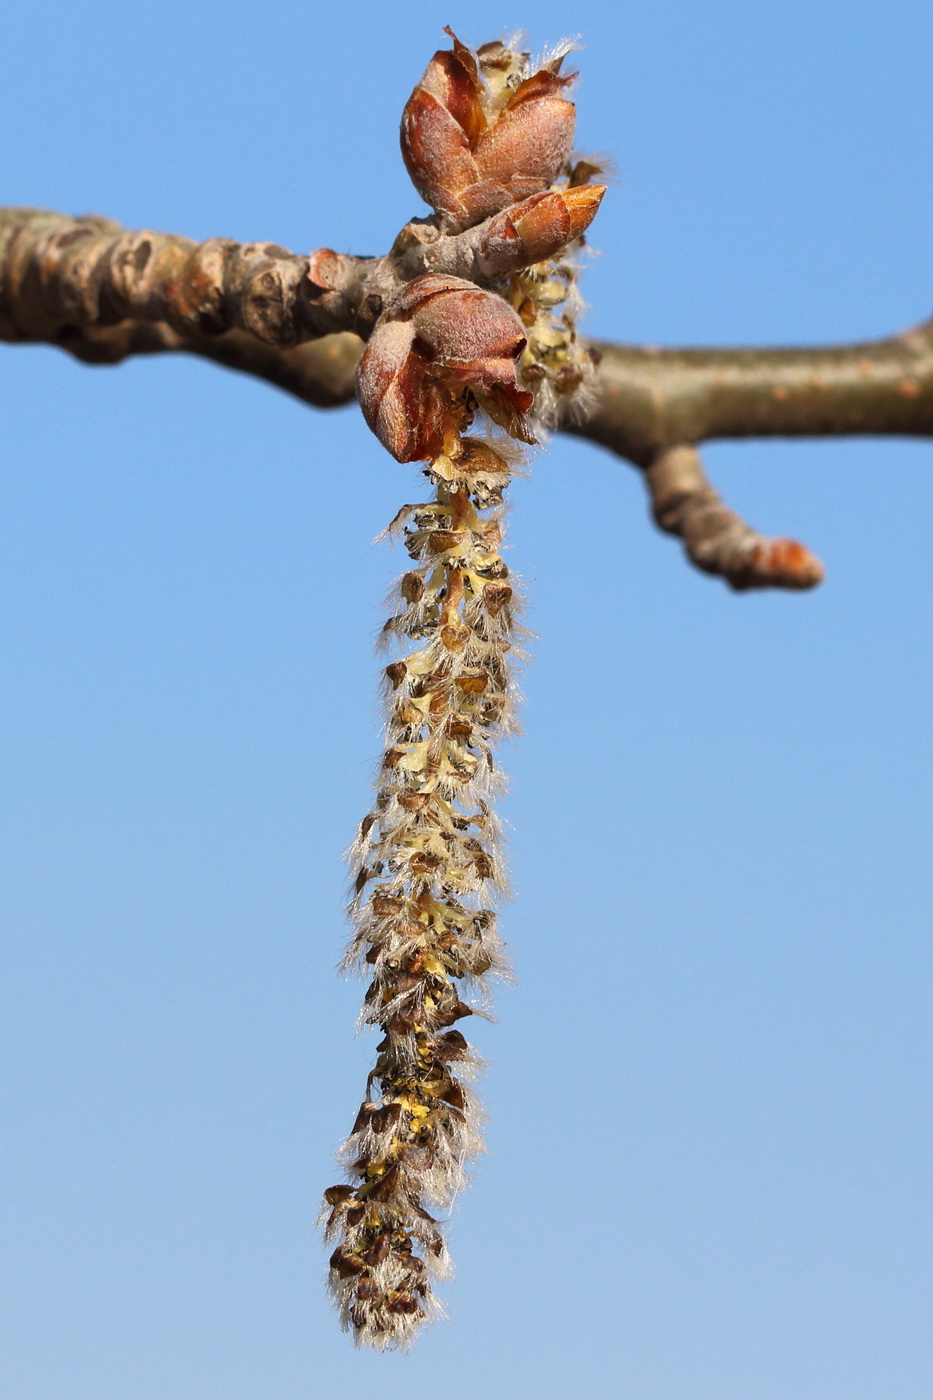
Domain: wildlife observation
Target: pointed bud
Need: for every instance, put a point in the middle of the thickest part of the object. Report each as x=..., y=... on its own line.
x=453, y=78
x=538, y=228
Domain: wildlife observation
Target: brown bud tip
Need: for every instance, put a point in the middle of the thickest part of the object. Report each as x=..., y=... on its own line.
x=583, y=203
x=781, y=563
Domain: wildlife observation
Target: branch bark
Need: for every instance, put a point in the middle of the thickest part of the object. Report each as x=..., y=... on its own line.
x=102, y=294
x=650, y=399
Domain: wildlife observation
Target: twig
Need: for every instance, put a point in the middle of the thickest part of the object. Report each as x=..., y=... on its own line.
x=715, y=538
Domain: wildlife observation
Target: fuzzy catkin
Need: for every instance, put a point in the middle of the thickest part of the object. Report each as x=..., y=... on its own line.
x=427, y=862
x=427, y=867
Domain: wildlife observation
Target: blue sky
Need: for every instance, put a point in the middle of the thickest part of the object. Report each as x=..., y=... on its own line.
x=710, y=1144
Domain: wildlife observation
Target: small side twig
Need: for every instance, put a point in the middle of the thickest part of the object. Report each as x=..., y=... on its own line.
x=717, y=540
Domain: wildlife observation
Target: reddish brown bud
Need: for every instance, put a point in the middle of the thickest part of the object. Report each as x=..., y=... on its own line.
x=437, y=155
x=538, y=228
x=453, y=78
x=526, y=149
x=440, y=335
x=468, y=162
x=442, y=119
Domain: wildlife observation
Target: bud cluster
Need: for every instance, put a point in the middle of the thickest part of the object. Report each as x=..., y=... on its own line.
x=485, y=135
x=427, y=865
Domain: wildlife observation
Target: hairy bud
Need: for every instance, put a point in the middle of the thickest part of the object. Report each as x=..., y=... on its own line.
x=440, y=336
x=538, y=228
x=471, y=150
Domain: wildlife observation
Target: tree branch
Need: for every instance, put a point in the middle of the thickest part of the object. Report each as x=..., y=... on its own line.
x=104, y=294
x=653, y=406
x=320, y=372
x=81, y=274
x=649, y=399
